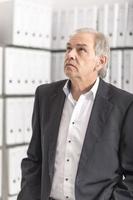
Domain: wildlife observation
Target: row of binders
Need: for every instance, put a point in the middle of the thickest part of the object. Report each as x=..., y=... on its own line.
x=67, y=20
x=14, y=158
x=115, y=20
x=120, y=71
x=26, y=23
x=22, y=70
x=25, y=69
x=17, y=120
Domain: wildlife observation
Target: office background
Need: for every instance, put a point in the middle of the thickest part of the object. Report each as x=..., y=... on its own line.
x=33, y=35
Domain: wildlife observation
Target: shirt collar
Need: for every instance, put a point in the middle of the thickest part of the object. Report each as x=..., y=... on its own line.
x=95, y=87
x=93, y=90
x=66, y=87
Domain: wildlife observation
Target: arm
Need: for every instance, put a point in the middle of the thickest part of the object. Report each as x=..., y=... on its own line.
x=31, y=166
x=124, y=190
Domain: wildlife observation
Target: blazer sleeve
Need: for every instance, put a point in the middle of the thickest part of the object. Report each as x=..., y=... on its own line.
x=124, y=190
x=31, y=166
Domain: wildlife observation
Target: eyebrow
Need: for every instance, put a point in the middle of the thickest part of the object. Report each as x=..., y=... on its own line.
x=83, y=45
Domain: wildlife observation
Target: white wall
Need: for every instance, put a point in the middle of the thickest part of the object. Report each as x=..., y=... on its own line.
x=71, y=3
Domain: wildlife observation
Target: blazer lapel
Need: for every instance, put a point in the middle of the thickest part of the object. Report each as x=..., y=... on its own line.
x=56, y=107
x=100, y=113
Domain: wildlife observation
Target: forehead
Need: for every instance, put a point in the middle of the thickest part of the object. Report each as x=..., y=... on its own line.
x=82, y=38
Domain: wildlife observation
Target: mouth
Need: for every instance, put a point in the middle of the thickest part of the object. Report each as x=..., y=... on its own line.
x=70, y=65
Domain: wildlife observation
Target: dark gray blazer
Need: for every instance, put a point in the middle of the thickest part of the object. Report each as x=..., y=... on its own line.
x=107, y=152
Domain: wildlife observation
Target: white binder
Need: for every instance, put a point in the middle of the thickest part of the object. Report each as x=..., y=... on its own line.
x=25, y=69
x=57, y=67
x=128, y=71
x=103, y=19
x=67, y=24
x=112, y=23
x=116, y=68
x=15, y=156
x=80, y=17
x=1, y=121
x=86, y=17
x=1, y=69
x=28, y=110
x=15, y=120
x=63, y=29
x=18, y=120
x=121, y=24
x=91, y=14
x=25, y=23
x=71, y=22
x=129, y=27
x=55, y=29
x=44, y=23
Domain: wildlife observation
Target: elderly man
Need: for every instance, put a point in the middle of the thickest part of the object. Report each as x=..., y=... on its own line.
x=82, y=143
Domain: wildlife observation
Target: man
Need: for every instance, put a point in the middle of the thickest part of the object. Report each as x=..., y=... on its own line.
x=82, y=143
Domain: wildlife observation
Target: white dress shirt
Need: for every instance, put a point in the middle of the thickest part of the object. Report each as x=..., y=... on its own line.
x=72, y=130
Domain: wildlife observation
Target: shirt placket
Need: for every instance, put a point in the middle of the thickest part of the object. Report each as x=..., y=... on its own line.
x=69, y=170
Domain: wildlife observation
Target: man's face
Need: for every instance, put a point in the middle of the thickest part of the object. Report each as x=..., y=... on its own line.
x=80, y=58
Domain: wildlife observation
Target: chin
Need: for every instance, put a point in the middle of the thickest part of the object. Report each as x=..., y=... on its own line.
x=67, y=74
x=70, y=75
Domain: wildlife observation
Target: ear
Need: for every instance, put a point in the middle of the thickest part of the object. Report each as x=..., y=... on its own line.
x=101, y=62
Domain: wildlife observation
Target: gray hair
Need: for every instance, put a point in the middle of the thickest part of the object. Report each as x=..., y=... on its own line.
x=102, y=47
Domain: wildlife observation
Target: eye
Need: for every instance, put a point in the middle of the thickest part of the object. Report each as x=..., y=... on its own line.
x=68, y=48
x=82, y=49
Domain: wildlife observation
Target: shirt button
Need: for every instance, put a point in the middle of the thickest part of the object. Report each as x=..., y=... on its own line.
x=73, y=122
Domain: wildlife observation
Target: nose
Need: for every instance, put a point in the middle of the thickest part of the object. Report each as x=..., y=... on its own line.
x=71, y=54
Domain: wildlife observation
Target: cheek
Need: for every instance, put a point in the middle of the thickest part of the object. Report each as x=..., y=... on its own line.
x=84, y=63
x=65, y=58
x=87, y=67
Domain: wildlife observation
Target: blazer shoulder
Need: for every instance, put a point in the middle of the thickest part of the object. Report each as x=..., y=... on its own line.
x=120, y=93
x=50, y=88
x=119, y=96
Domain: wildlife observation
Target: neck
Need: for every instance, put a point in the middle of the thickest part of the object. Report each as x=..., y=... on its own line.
x=79, y=87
